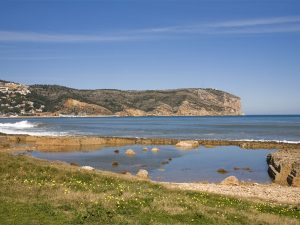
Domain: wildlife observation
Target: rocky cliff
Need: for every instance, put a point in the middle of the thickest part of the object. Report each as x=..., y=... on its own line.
x=177, y=102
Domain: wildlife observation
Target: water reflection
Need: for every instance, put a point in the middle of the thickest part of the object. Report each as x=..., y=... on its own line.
x=172, y=164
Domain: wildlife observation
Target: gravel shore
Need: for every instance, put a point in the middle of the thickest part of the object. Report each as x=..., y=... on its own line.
x=267, y=192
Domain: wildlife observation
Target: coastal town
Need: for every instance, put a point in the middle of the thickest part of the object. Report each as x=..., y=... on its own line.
x=14, y=101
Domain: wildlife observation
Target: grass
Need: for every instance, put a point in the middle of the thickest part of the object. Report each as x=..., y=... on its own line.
x=39, y=192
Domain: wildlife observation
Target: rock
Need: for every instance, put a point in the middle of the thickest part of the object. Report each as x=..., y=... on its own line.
x=164, y=162
x=209, y=146
x=125, y=172
x=116, y=151
x=222, y=171
x=284, y=166
x=114, y=163
x=155, y=149
x=187, y=144
x=244, y=145
x=231, y=180
x=247, y=169
x=244, y=168
x=145, y=149
x=88, y=168
x=74, y=164
x=142, y=174
x=130, y=152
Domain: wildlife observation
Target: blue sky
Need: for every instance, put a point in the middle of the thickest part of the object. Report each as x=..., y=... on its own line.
x=248, y=48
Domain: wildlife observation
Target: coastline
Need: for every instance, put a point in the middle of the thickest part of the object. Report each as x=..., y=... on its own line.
x=88, y=140
x=276, y=194
x=116, y=115
x=283, y=165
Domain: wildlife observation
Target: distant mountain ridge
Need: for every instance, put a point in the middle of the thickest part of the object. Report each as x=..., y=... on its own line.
x=174, y=102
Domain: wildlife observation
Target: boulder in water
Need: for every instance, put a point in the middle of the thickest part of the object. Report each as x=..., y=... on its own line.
x=142, y=174
x=155, y=149
x=114, y=163
x=231, y=180
x=130, y=152
x=222, y=171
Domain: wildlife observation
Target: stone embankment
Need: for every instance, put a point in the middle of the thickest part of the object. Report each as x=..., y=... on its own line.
x=284, y=166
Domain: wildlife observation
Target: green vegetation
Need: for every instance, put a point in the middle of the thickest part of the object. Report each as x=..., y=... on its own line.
x=40, y=192
x=54, y=96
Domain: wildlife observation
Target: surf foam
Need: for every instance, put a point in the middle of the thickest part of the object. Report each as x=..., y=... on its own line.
x=26, y=127
x=18, y=125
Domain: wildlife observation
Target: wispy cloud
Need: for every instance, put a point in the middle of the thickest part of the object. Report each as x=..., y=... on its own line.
x=42, y=58
x=44, y=37
x=250, y=26
x=257, y=22
x=255, y=26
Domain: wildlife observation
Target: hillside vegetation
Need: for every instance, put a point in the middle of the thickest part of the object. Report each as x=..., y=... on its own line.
x=18, y=99
x=150, y=102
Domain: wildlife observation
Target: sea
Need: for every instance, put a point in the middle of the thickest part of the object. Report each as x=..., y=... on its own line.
x=280, y=128
x=170, y=163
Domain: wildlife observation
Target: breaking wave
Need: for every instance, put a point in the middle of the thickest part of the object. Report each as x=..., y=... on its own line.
x=18, y=125
x=26, y=127
x=263, y=140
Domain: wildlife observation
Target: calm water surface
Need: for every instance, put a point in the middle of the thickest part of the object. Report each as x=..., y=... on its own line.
x=172, y=164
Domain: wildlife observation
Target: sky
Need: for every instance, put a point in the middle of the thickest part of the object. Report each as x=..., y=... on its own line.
x=250, y=48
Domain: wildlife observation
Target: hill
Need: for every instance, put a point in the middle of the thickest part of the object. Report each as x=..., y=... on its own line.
x=176, y=102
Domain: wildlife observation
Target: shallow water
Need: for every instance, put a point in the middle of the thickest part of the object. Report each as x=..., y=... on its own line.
x=280, y=128
x=173, y=164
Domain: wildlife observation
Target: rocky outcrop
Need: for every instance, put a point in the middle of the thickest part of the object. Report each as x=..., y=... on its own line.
x=161, y=110
x=190, y=144
x=284, y=166
x=76, y=142
x=72, y=106
x=131, y=112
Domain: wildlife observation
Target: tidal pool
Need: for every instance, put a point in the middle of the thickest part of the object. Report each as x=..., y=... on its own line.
x=173, y=164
